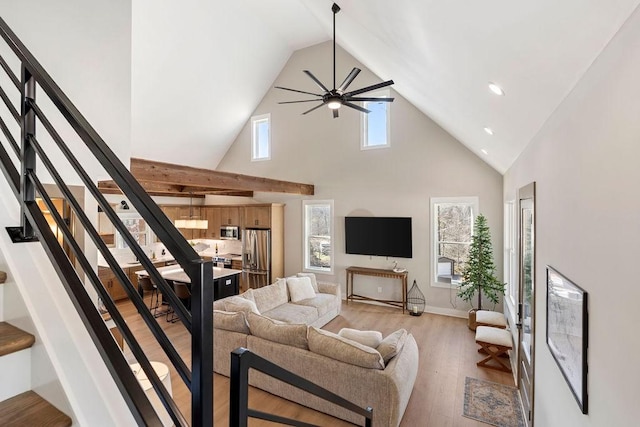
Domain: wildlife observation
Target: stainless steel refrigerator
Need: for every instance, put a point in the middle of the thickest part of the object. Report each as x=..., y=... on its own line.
x=256, y=257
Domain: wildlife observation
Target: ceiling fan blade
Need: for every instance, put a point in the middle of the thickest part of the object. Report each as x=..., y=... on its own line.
x=352, y=75
x=295, y=102
x=296, y=90
x=314, y=108
x=356, y=107
x=352, y=98
x=369, y=88
x=318, y=82
x=335, y=113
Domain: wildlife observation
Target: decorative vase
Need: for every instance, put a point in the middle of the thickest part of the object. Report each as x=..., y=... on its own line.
x=415, y=300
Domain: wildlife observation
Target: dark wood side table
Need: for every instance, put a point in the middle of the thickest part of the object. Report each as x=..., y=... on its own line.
x=377, y=272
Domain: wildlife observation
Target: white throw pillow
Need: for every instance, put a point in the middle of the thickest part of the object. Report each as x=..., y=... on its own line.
x=300, y=288
x=392, y=344
x=369, y=338
x=238, y=303
x=345, y=350
x=311, y=276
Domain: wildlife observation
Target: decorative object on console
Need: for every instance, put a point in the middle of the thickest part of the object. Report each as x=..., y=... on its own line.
x=479, y=274
x=415, y=300
x=335, y=98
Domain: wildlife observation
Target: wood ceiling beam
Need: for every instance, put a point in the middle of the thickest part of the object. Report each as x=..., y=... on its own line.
x=168, y=173
x=153, y=188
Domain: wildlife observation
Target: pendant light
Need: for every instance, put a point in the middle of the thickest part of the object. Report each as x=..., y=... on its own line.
x=191, y=223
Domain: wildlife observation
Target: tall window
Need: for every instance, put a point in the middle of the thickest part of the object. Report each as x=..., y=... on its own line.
x=318, y=235
x=510, y=256
x=453, y=219
x=261, y=137
x=376, y=124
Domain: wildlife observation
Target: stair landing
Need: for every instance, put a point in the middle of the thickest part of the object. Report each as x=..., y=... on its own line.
x=29, y=409
x=13, y=339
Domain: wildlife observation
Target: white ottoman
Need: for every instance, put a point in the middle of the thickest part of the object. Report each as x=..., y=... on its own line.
x=163, y=373
x=490, y=318
x=494, y=342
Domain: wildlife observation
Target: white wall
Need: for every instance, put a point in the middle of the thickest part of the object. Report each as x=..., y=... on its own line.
x=424, y=161
x=585, y=165
x=86, y=48
x=185, y=56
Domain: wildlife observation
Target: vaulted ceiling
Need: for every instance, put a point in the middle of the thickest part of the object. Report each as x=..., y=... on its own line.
x=441, y=55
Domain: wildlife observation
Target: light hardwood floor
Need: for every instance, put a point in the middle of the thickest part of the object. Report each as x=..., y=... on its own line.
x=448, y=354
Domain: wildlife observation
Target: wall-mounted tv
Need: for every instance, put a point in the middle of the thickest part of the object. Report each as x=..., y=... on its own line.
x=382, y=236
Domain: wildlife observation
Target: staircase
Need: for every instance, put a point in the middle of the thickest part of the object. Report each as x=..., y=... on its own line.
x=19, y=406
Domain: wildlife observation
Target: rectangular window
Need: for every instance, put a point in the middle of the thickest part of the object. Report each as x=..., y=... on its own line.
x=375, y=132
x=318, y=235
x=261, y=137
x=453, y=219
x=510, y=256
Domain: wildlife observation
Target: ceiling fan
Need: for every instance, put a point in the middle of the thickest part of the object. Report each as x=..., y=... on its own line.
x=337, y=97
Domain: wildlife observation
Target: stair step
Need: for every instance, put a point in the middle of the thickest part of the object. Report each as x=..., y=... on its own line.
x=13, y=339
x=29, y=409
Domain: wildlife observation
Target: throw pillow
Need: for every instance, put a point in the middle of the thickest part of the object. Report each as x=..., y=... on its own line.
x=237, y=303
x=369, y=338
x=283, y=333
x=336, y=347
x=248, y=294
x=392, y=344
x=311, y=276
x=271, y=296
x=300, y=288
x=235, y=322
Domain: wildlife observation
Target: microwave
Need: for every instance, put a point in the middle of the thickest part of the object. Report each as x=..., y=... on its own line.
x=229, y=232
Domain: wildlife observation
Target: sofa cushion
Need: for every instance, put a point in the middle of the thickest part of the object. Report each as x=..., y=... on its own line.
x=392, y=344
x=293, y=313
x=284, y=333
x=369, y=338
x=248, y=294
x=300, y=288
x=229, y=321
x=336, y=347
x=322, y=302
x=237, y=303
x=271, y=296
x=312, y=277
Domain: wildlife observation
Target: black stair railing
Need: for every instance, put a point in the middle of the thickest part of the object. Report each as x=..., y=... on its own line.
x=19, y=166
x=239, y=412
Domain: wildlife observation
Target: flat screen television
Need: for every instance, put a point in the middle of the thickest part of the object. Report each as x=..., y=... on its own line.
x=381, y=236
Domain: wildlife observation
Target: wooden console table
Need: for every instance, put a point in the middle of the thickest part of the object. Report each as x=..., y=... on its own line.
x=377, y=272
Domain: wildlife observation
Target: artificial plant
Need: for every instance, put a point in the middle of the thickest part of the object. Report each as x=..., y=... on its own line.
x=478, y=276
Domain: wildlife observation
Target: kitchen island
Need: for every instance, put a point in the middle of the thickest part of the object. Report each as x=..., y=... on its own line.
x=225, y=280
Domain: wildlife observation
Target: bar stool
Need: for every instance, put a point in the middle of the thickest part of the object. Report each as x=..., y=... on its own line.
x=182, y=291
x=147, y=285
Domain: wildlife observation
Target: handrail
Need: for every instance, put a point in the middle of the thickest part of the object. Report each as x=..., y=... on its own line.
x=242, y=360
x=26, y=184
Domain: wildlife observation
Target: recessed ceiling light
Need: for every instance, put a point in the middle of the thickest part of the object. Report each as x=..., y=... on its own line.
x=496, y=89
x=484, y=151
x=488, y=130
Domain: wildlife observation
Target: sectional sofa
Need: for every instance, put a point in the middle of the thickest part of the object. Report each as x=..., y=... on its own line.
x=281, y=323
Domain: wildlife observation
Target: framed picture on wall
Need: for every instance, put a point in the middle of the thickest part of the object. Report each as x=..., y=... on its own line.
x=568, y=332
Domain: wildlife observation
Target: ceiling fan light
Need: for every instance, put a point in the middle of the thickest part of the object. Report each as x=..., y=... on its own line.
x=334, y=105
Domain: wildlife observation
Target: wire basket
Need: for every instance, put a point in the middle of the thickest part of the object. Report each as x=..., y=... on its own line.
x=415, y=300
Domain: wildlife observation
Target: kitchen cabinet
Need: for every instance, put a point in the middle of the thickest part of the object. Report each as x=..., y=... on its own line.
x=111, y=283
x=256, y=217
x=212, y=215
x=230, y=215
x=226, y=286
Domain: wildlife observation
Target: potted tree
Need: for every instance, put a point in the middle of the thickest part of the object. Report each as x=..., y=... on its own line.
x=478, y=276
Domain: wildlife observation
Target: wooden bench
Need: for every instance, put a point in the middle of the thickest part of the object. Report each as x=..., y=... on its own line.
x=495, y=342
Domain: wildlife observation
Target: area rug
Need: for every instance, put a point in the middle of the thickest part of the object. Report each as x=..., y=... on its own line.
x=492, y=403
